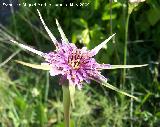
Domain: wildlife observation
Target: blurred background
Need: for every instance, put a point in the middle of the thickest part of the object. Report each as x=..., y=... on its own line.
x=31, y=98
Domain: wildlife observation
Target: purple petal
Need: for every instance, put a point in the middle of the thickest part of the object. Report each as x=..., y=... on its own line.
x=55, y=71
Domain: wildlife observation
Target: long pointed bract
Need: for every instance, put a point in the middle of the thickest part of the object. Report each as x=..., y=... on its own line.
x=64, y=38
x=102, y=80
x=97, y=48
x=106, y=66
x=28, y=48
x=127, y=66
x=35, y=66
x=118, y=90
x=48, y=31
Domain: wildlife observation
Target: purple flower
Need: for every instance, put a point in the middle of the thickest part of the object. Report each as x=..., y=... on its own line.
x=76, y=65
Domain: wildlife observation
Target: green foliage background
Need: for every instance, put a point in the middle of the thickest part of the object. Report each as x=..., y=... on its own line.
x=30, y=98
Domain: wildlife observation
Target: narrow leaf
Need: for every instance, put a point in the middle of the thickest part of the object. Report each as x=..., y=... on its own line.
x=35, y=66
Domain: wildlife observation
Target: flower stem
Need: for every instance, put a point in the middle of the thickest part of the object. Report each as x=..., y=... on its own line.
x=66, y=105
x=47, y=87
x=131, y=105
x=125, y=45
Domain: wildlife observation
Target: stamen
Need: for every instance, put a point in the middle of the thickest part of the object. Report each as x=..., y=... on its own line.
x=74, y=59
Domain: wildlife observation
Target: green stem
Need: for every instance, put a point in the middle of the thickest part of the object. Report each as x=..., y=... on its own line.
x=66, y=105
x=125, y=45
x=111, y=32
x=47, y=87
x=111, y=17
x=131, y=105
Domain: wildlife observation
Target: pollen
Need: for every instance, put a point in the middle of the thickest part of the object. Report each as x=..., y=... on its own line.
x=75, y=64
x=74, y=60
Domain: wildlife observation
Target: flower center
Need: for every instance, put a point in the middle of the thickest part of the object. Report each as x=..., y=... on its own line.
x=74, y=59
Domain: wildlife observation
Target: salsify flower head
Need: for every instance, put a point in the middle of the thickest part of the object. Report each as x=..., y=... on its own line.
x=74, y=64
x=77, y=65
